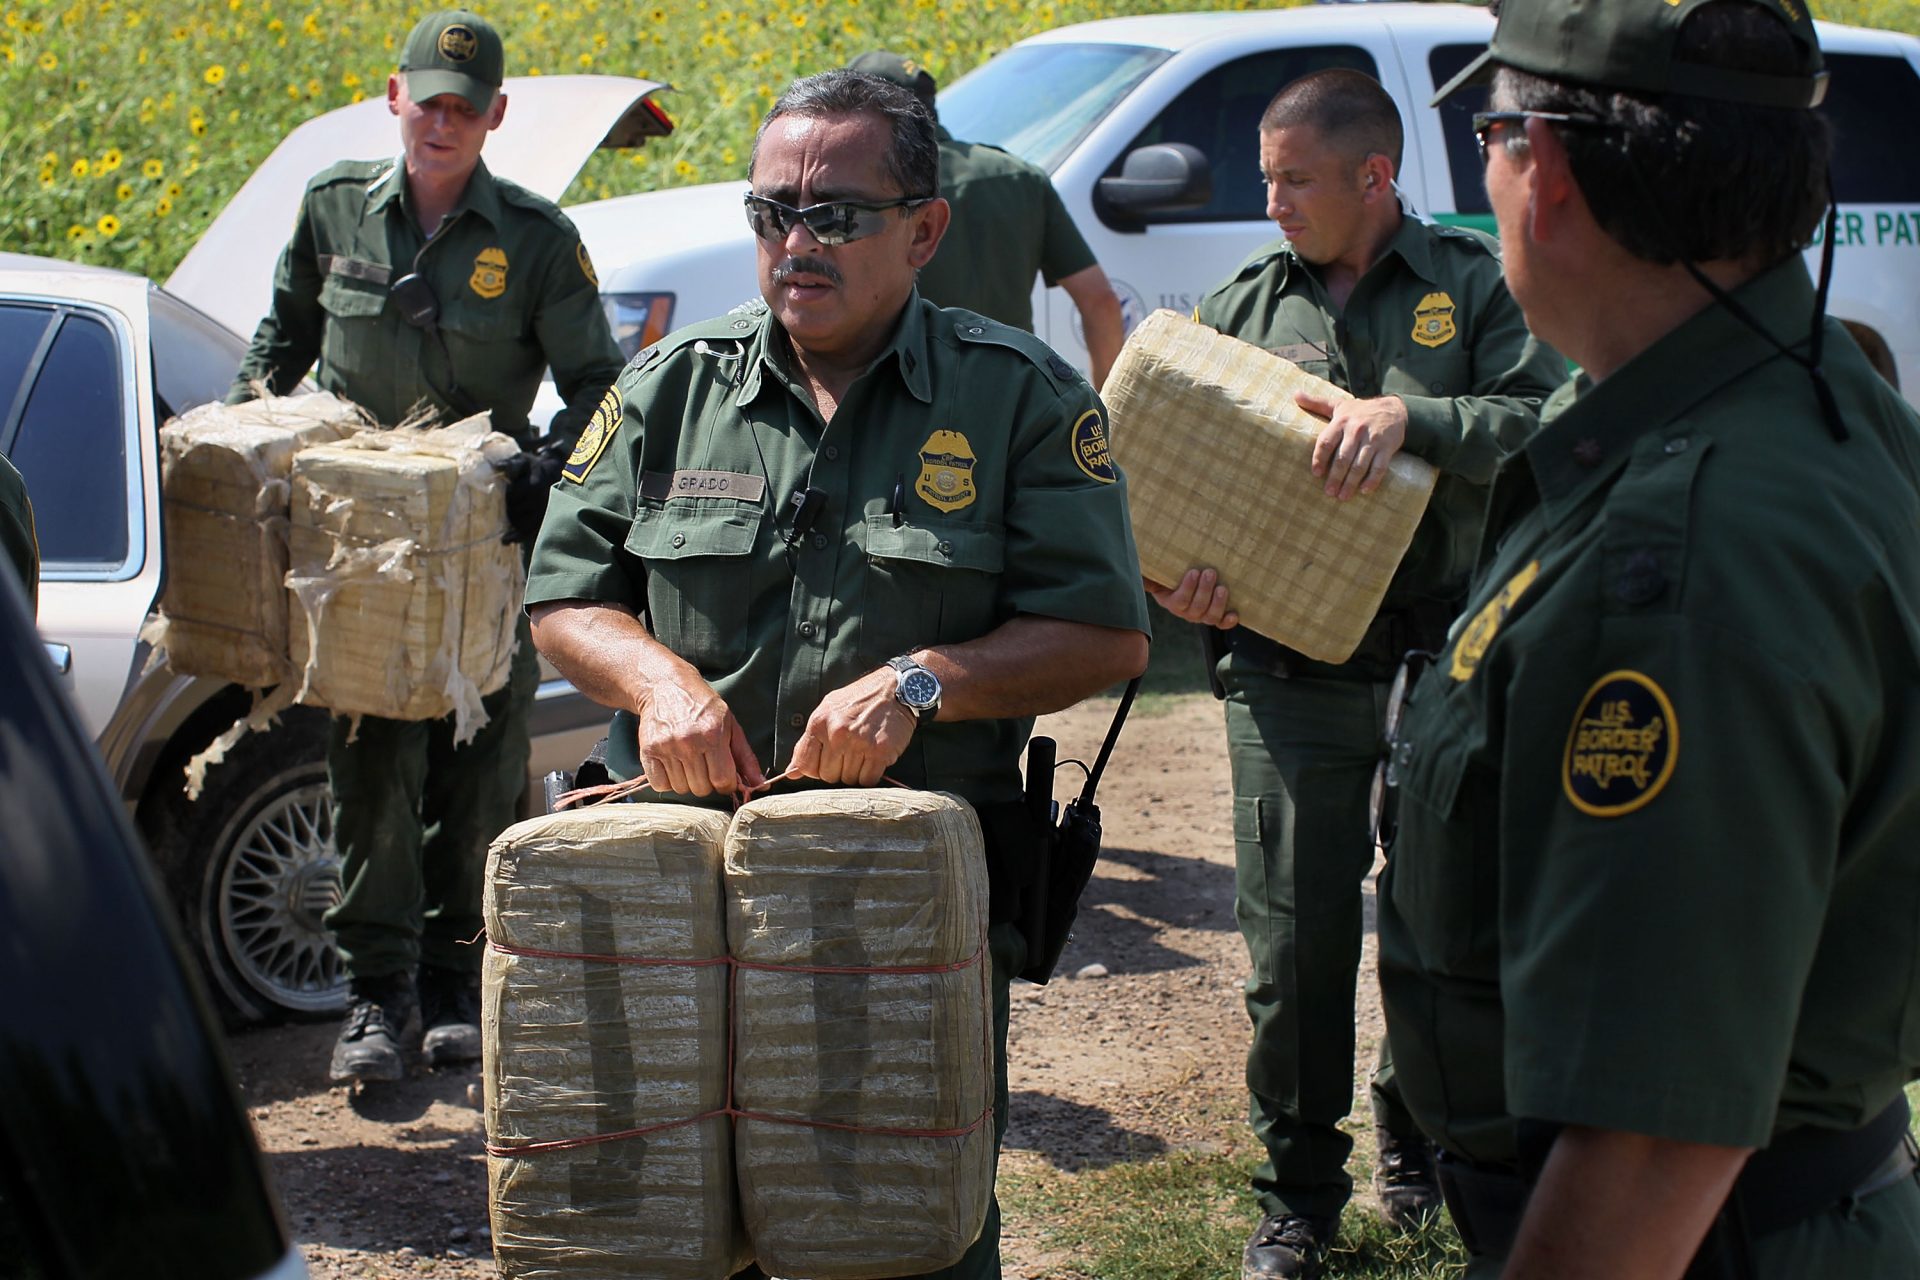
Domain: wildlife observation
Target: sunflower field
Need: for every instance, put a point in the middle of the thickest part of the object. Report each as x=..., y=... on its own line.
x=126, y=124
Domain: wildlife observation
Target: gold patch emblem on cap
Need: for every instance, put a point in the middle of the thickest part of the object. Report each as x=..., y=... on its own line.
x=1092, y=452
x=594, y=437
x=586, y=265
x=1433, y=320
x=946, y=471
x=1623, y=745
x=489, y=278
x=458, y=43
x=1478, y=634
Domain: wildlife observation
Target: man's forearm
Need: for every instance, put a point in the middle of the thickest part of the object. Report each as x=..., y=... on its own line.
x=1612, y=1204
x=1029, y=666
x=1100, y=319
x=604, y=650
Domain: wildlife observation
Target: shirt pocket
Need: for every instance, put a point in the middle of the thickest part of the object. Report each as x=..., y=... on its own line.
x=353, y=345
x=930, y=582
x=699, y=580
x=1445, y=858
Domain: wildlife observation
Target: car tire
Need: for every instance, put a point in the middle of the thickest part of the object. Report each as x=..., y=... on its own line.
x=251, y=866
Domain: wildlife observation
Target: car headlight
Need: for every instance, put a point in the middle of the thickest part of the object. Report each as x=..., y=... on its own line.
x=638, y=319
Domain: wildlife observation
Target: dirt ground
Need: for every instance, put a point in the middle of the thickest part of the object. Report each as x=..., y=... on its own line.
x=1126, y=1066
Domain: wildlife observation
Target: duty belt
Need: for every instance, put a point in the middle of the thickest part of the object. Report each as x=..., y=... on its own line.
x=1803, y=1172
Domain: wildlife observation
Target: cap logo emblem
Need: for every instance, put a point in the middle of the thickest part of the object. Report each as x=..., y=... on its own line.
x=459, y=44
x=489, y=278
x=1433, y=320
x=946, y=472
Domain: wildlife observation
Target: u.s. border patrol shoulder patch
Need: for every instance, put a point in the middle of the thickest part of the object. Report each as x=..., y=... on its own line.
x=1091, y=451
x=586, y=264
x=1623, y=746
x=1478, y=634
x=594, y=437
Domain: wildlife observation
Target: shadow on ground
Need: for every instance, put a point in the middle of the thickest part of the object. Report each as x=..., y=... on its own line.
x=1072, y=1136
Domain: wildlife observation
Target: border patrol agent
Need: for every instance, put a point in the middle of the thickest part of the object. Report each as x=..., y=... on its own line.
x=17, y=538
x=845, y=534
x=1646, y=931
x=426, y=282
x=1415, y=321
x=1008, y=225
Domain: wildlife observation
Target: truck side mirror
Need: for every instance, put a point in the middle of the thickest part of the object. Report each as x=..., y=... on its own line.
x=1167, y=177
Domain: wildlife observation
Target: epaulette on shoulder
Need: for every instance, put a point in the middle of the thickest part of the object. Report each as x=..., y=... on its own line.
x=361, y=172
x=518, y=196
x=725, y=335
x=1464, y=237
x=972, y=328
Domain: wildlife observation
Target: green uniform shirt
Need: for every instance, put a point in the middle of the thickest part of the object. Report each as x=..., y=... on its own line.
x=1008, y=223
x=515, y=287
x=17, y=540
x=1659, y=855
x=1431, y=322
x=966, y=480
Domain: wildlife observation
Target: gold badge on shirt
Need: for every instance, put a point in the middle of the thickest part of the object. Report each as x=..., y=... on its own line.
x=1473, y=642
x=1623, y=745
x=594, y=437
x=1091, y=450
x=946, y=471
x=489, y=278
x=1433, y=320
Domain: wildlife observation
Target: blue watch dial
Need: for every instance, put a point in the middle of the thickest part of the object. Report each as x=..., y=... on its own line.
x=919, y=688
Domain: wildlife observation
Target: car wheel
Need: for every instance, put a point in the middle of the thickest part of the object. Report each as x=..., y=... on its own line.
x=252, y=866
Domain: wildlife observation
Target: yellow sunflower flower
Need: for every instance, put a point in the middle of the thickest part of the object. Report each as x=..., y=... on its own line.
x=214, y=74
x=123, y=192
x=49, y=60
x=109, y=225
x=81, y=167
x=110, y=160
x=152, y=168
x=78, y=232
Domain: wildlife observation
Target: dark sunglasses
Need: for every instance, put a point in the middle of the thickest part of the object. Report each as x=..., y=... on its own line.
x=1484, y=122
x=833, y=223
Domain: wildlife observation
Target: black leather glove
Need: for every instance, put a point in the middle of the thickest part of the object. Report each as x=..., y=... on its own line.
x=530, y=476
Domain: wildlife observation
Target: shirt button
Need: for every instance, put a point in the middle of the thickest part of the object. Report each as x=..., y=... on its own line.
x=679, y=539
x=742, y=324
x=806, y=628
x=1676, y=445
x=820, y=541
x=946, y=548
x=797, y=721
x=833, y=451
x=976, y=330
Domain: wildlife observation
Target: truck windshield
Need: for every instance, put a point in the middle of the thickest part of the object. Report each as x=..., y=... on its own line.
x=1038, y=101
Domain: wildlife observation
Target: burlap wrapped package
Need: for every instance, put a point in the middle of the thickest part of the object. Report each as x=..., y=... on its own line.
x=223, y=496
x=1218, y=462
x=578, y=1048
x=842, y=1080
x=406, y=596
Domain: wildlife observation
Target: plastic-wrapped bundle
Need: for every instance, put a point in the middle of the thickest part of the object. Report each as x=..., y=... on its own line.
x=864, y=1138
x=407, y=596
x=1218, y=461
x=588, y=1049
x=223, y=489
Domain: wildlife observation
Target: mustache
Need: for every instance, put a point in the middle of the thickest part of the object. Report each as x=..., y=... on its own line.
x=808, y=265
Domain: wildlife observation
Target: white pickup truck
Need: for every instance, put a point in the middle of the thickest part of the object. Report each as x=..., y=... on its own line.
x=1081, y=101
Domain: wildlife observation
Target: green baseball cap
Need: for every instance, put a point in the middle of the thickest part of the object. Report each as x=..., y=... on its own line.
x=1628, y=45
x=453, y=51
x=899, y=69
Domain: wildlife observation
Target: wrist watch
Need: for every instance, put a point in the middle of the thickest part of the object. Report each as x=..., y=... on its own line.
x=917, y=688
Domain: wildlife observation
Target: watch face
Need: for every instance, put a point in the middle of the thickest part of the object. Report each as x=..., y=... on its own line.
x=919, y=688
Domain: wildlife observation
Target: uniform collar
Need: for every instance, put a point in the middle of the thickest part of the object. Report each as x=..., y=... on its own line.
x=482, y=195
x=1410, y=243
x=1589, y=428
x=907, y=352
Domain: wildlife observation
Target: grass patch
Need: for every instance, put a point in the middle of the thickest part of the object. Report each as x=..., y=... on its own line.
x=1186, y=1216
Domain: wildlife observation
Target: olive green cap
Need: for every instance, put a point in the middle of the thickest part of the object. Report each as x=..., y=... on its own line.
x=899, y=69
x=453, y=51
x=1628, y=45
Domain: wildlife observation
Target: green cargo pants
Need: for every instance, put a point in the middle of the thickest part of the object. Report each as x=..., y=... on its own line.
x=1303, y=750
x=412, y=818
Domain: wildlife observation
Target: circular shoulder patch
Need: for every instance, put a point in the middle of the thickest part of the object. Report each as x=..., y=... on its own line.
x=586, y=264
x=1090, y=451
x=1623, y=746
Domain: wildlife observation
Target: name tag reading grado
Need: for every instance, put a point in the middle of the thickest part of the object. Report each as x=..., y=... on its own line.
x=662, y=486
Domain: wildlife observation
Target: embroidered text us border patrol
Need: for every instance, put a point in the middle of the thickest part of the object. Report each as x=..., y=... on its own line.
x=1623, y=745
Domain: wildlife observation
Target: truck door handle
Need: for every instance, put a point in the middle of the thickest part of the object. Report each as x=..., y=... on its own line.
x=61, y=656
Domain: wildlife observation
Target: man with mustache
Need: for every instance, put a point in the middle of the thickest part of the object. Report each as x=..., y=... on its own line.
x=840, y=533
